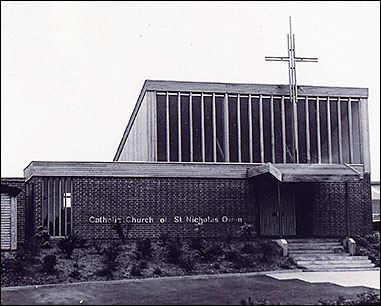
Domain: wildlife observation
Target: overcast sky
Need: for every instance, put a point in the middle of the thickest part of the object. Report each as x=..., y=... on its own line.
x=71, y=72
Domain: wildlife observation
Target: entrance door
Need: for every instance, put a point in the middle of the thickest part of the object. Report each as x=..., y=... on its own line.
x=277, y=217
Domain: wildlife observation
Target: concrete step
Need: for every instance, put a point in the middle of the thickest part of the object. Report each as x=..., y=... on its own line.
x=330, y=257
x=331, y=267
x=315, y=247
x=299, y=244
x=312, y=240
x=313, y=252
x=333, y=263
x=338, y=269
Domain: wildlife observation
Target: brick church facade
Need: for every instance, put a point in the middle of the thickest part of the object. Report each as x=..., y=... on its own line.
x=215, y=156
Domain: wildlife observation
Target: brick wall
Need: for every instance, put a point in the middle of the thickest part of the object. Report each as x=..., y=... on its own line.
x=169, y=197
x=21, y=205
x=160, y=198
x=329, y=209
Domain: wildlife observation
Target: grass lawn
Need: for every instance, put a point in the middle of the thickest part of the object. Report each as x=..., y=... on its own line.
x=208, y=290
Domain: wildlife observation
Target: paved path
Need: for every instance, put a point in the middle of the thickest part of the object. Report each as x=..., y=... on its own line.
x=193, y=290
x=369, y=279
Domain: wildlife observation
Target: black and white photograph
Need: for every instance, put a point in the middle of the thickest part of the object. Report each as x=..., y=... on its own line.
x=190, y=153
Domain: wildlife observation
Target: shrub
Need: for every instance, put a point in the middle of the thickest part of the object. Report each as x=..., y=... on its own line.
x=247, y=231
x=212, y=251
x=106, y=271
x=366, y=298
x=157, y=271
x=49, y=263
x=42, y=237
x=164, y=239
x=144, y=249
x=174, y=251
x=368, y=245
x=13, y=266
x=75, y=274
x=68, y=244
x=197, y=243
x=110, y=255
x=267, y=249
x=248, y=248
x=98, y=247
x=136, y=270
x=188, y=264
x=121, y=230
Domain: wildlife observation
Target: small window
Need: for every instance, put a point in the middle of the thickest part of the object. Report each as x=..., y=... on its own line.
x=67, y=200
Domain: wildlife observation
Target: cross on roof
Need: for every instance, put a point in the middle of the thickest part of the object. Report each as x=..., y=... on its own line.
x=292, y=59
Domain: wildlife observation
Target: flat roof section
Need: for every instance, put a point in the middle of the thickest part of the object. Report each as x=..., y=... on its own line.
x=283, y=172
x=294, y=173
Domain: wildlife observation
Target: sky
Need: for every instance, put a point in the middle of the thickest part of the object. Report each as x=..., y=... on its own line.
x=71, y=72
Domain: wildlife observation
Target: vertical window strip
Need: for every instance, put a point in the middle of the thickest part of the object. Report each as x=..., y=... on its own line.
x=226, y=122
x=261, y=130
x=341, y=160
x=65, y=202
x=191, y=126
x=239, y=128
x=284, y=130
x=272, y=129
x=202, y=128
x=296, y=136
x=308, y=133
x=350, y=130
x=318, y=130
x=60, y=206
x=167, y=126
x=250, y=115
x=179, y=126
x=214, y=118
x=71, y=205
x=329, y=130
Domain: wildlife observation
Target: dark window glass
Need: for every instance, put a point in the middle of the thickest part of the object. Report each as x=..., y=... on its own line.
x=278, y=130
x=208, y=128
x=334, y=132
x=356, y=132
x=185, y=129
x=312, y=113
x=323, y=131
x=345, y=131
x=289, y=131
x=245, y=157
x=302, y=131
x=256, y=130
x=267, y=129
x=173, y=128
x=161, y=127
x=233, y=130
x=196, y=123
x=57, y=205
x=220, y=129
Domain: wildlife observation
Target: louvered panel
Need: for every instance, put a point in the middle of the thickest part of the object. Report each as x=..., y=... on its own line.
x=5, y=221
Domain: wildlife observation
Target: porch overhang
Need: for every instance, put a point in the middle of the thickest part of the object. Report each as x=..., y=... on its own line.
x=307, y=173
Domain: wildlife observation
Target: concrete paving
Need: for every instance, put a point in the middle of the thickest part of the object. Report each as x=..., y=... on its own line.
x=369, y=279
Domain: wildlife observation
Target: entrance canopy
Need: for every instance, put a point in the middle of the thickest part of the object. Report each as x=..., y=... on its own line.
x=307, y=172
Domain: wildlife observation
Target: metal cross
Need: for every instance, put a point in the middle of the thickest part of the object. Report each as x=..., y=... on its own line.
x=292, y=59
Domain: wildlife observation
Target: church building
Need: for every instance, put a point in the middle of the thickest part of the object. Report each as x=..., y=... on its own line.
x=215, y=156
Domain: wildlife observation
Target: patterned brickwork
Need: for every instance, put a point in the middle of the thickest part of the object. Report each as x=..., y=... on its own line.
x=97, y=197
x=330, y=212
x=21, y=205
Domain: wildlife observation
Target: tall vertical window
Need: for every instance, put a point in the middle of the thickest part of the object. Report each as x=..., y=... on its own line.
x=57, y=205
x=208, y=127
x=220, y=133
x=161, y=108
x=173, y=128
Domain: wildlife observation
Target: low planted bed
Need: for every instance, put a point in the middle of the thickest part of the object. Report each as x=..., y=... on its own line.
x=43, y=261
